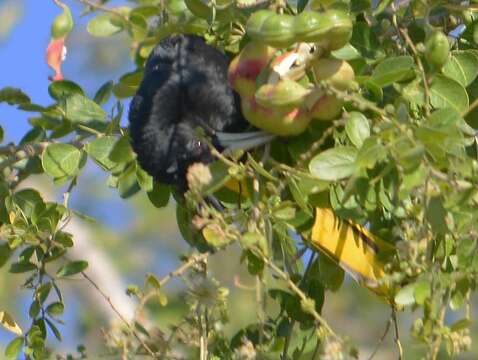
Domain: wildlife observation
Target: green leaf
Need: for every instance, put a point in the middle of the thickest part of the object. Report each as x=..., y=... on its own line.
x=357, y=128
x=104, y=25
x=128, y=184
x=6, y=320
x=145, y=180
x=79, y=109
x=72, y=268
x=104, y=92
x=422, y=292
x=13, y=96
x=128, y=84
x=331, y=276
x=371, y=152
x=436, y=215
x=301, y=4
x=28, y=200
x=159, y=196
x=393, y=69
x=22, y=267
x=334, y=164
x=63, y=88
x=14, y=348
x=462, y=66
x=55, y=309
x=406, y=295
x=447, y=93
x=99, y=150
x=61, y=160
x=122, y=151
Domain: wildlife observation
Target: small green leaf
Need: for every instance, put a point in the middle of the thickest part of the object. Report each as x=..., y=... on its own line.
x=145, y=180
x=128, y=84
x=72, y=268
x=6, y=320
x=14, y=348
x=159, y=195
x=100, y=149
x=13, y=96
x=357, y=128
x=22, y=267
x=406, y=295
x=63, y=88
x=422, y=292
x=61, y=160
x=79, y=109
x=104, y=92
x=103, y=25
x=436, y=215
x=152, y=281
x=394, y=69
x=331, y=276
x=462, y=66
x=128, y=184
x=334, y=164
x=122, y=151
x=371, y=152
x=55, y=309
x=447, y=93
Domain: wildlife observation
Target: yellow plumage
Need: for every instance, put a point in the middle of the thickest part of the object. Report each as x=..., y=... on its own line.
x=353, y=248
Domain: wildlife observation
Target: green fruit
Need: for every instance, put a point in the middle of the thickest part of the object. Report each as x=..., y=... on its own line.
x=338, y=73
x=437, y=49
x=276, y=121
x=278, y=31
x=327, y=108
x=475, y=33
x=467, y=17
x=341, y=29
x=63, y=24
x=246, y=67
x=255, y=22
x=286, y=94
x=310, y=26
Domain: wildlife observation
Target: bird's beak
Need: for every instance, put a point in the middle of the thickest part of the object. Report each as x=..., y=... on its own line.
x=243, y=141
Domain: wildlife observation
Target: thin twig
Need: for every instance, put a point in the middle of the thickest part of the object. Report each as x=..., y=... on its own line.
x=300, y=294
x=382, y=338
x=412, y=47
x=472, y=107
x=100, y=7
x=175, y=273
x=397, y=334
x=121, y=317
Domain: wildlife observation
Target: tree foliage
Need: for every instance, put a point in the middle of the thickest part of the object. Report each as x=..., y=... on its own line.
x=400, y=160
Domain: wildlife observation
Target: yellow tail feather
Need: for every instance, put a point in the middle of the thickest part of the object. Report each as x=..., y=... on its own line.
x=353, y=248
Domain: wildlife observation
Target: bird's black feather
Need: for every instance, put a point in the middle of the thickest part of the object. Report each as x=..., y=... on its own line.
x=184, y=88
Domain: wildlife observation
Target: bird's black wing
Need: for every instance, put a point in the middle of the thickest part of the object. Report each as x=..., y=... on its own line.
x=184, y=87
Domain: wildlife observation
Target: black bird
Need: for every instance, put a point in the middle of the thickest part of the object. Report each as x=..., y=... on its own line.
x=184, y=88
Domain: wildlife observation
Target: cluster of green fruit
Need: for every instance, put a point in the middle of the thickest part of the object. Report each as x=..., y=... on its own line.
x=330, y=29
x=276, y=94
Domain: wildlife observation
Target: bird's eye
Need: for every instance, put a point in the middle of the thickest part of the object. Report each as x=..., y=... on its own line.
x=312, y=49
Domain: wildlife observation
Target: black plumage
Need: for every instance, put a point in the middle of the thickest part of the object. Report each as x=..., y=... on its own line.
x=184, y=88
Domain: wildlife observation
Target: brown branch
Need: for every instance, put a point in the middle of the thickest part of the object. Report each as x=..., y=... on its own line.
x=97, y=6
x=121, y=317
